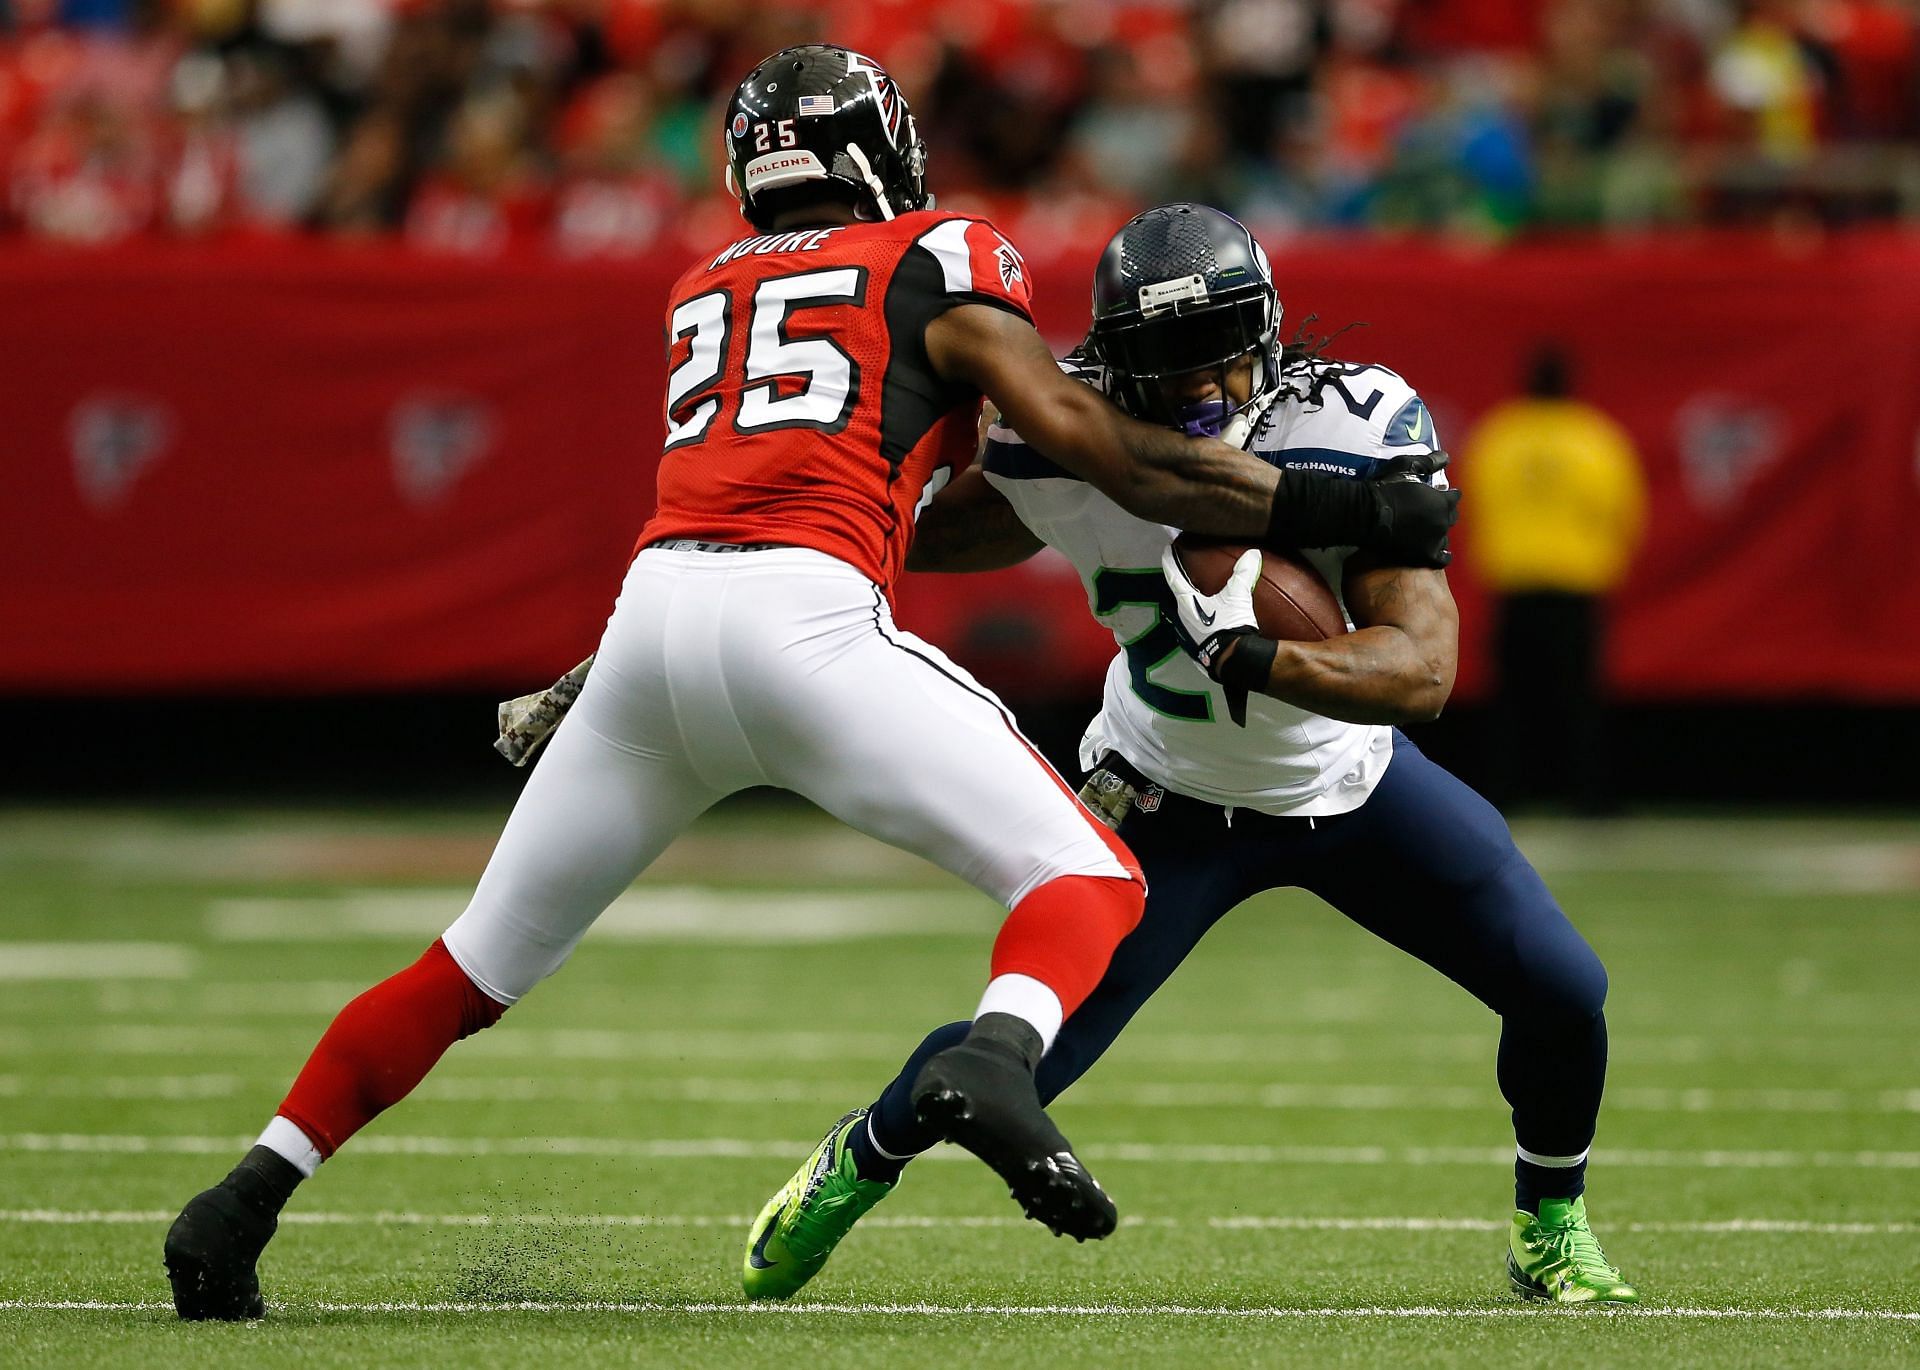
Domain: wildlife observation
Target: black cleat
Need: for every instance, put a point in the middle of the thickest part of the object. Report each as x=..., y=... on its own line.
x=211, y=1251
x=980, y=1095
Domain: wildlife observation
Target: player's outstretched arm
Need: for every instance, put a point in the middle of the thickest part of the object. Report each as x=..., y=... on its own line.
x=1197, y=484
x=1397, y=666
x=1155, y=473
x=970, y=526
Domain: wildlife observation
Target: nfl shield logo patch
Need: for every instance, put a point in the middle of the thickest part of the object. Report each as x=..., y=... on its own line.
x=1147, y=798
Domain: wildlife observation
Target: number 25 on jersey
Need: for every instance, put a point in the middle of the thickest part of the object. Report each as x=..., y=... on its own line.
x=786, y=382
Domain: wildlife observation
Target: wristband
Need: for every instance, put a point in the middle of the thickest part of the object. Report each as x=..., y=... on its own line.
x=1241, y=671
x=1314, y=510
x=1250, y=665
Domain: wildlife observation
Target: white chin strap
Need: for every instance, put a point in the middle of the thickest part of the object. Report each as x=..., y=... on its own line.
x=739, y=200
x=873, y=182
x=1242, y=426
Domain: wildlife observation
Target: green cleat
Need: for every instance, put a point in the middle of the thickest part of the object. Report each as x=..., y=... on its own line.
x=800, y=1226
x=1556, y=1257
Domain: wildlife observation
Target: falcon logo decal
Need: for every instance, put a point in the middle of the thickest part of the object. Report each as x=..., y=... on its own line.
x=1012, y=270
x=886, y=95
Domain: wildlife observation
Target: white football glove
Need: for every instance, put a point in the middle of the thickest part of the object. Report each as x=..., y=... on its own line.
x=1207, y=618
x=1208, y=624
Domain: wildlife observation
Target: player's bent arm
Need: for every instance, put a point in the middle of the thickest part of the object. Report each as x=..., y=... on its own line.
x=1154, y=473
x=970, y=526
x=1398, y=664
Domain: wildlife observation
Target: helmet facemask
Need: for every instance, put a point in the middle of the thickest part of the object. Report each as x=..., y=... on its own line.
x=1183, y=290
x=1151, y=354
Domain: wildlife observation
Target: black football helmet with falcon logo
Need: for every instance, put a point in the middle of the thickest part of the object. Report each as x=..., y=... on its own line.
x=820, y=115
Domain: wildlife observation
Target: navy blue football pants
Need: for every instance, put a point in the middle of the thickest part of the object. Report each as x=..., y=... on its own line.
x=1425, y=864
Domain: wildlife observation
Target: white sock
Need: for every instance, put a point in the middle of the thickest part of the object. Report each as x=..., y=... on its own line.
x=289, y=1142
x=1028, y=1000
x=1550, y=1162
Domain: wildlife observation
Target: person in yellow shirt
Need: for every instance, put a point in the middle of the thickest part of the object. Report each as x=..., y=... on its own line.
x=1559, y=503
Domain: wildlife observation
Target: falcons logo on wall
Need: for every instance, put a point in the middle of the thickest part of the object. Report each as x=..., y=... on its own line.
x=437, y=439
x=113, y=439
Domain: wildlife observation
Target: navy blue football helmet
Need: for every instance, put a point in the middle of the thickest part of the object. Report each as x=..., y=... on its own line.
x=1183, y=288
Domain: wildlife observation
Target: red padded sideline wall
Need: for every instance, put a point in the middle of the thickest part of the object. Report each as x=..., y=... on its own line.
x=301, y=467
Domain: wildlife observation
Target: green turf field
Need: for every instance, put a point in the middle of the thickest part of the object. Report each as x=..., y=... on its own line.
x=1302, y=1133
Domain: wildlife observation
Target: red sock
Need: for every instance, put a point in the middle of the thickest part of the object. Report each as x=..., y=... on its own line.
x=1063, y=933
x=383, y=1044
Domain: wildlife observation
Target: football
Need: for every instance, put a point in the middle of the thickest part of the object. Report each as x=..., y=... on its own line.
x=1291, y=599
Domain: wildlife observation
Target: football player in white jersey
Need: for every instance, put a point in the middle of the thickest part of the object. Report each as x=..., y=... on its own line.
x=1318, y=789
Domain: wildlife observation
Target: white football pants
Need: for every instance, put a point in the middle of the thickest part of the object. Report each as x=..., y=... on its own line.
x=782, y=667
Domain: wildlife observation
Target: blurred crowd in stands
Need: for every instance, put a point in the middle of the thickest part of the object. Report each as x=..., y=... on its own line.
x=592, y=127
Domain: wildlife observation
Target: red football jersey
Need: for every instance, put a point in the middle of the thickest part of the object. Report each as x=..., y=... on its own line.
x=801, y=406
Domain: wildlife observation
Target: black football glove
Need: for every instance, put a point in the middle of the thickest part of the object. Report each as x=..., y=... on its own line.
x=1395, y=515
x=1417, y=466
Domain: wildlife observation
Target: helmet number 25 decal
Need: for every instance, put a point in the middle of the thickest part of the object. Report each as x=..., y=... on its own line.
x=828, y=379
x=776, y=134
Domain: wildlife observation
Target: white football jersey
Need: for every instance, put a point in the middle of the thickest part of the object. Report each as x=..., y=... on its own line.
x=1160, y=710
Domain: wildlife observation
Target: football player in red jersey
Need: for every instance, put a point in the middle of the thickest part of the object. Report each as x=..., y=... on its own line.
x=825, y=379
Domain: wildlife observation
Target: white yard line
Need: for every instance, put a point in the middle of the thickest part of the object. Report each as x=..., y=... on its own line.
x=1822, y=854
x=1478, y=1098
x=62, y=1217
x=696, y=1148
x=145, y=1087
x=22, y=961
x=1283, y=1041
x=785, y=1092
x=203, y=999
x=649, y=913
x=1722, y=1227
x=1059, y=1310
